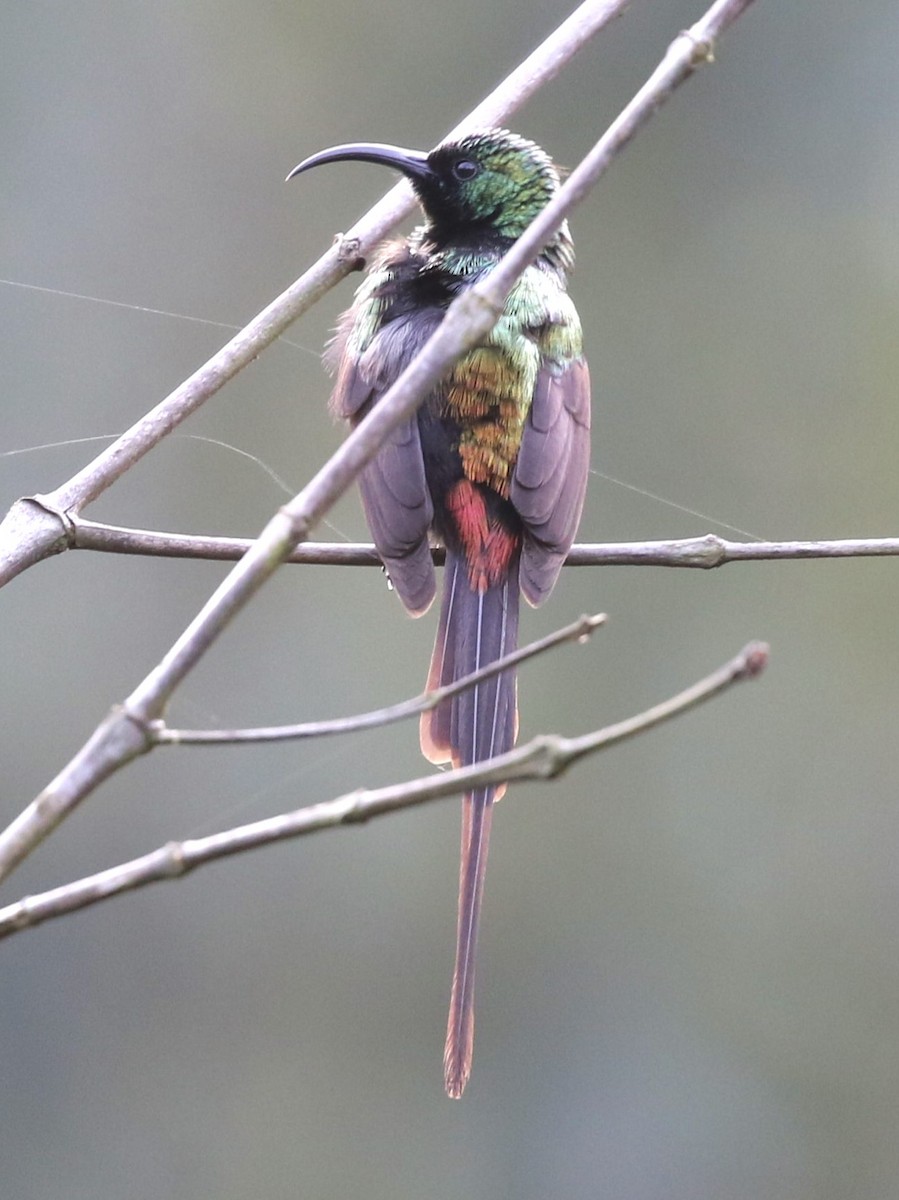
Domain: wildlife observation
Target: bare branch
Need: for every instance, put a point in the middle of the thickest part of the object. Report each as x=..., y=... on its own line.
x=468, y=319
x=544, y=758
x=116, y=539
x=705, y=551
x=711, y=551
x=578, y=631
x=36, y=527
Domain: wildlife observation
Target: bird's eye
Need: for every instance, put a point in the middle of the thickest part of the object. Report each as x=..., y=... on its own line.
x=465, y=169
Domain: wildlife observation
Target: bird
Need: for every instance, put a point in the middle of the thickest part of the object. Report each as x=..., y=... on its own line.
x=493, y=465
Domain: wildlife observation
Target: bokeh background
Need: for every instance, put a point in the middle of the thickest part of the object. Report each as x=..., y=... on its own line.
x=689, y=970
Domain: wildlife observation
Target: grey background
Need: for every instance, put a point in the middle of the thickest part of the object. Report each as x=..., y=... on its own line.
x=689, y=973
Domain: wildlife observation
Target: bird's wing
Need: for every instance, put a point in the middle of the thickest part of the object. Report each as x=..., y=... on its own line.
x=394, y=490
x=550, y=477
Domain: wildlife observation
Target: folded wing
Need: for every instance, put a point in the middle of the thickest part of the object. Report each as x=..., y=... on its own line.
x=550, y=478
x=394, y=490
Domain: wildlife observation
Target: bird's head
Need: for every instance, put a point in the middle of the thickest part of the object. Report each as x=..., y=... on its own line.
x=492, y=182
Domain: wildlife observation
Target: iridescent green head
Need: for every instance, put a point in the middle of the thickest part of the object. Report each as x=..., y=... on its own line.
x=488, y=183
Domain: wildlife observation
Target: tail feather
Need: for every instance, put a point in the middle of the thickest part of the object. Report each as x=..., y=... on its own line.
x=435, y=728
x=477, y=817
x=475, y=629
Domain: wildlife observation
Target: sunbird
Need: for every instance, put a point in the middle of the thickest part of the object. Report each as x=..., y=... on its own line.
x=493, y=465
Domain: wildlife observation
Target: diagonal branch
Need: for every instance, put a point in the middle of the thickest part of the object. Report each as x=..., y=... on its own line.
x=163, y=735
x=122, y=736
x=37, y=526
x=542, y=758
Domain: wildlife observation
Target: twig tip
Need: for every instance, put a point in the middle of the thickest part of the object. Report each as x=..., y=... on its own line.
x=755, y=659
x=587, y=624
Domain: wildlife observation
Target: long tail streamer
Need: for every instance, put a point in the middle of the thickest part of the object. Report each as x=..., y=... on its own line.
x=475, y=628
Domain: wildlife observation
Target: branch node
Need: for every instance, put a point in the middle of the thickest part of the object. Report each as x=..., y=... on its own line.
x=176, y=860
x=549, y=755
x=299, y=524
x=158, y=732
x=703, y=48
x=45, y=504
x=146, y=727
x=349, y=251
x=353, y=811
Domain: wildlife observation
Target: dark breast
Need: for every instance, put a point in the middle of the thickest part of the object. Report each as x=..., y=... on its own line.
x=463, y=425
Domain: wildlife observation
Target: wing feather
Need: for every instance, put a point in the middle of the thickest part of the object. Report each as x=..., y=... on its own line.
x=550, y=478
x=394, y=490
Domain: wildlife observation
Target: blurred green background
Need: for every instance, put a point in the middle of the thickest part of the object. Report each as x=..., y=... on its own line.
x=689, y=970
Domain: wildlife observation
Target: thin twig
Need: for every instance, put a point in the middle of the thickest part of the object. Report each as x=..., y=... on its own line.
x=578, y=631
x=122, y=736
x=705, y=551
x=37, y=526
x=544, y=758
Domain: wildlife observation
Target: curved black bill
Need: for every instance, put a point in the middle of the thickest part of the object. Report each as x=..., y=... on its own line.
x=412, y=163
